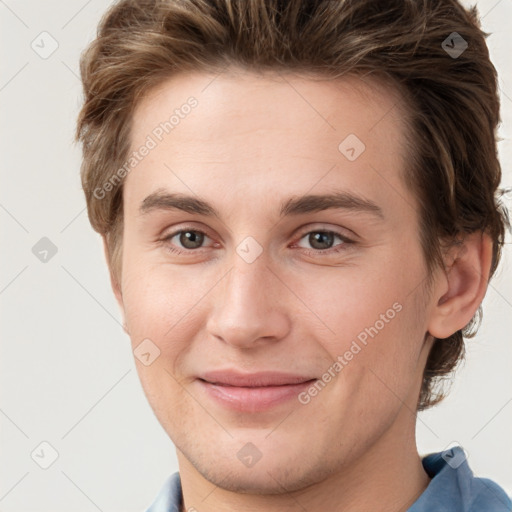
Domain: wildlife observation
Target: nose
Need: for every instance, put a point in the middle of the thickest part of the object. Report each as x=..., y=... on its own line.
x=249, y=306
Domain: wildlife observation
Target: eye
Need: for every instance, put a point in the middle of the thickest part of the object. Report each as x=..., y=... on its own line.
x=188, y=239
x=322, y=241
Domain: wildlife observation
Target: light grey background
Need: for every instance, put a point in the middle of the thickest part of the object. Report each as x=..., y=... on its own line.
x=67, y=374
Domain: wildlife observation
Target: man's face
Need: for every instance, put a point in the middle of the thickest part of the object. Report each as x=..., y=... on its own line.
x=265, y=292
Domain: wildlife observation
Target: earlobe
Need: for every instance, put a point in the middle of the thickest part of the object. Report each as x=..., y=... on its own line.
x=467, y=271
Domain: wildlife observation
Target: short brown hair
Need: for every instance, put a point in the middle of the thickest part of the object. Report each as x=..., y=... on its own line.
x=453, y=104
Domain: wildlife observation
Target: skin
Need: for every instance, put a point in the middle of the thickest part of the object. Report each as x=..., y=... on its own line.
x=253, y=142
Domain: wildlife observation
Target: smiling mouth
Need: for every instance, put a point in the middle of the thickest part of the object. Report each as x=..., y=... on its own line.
x=256, y=385
x=235, y=378
x=253, y=398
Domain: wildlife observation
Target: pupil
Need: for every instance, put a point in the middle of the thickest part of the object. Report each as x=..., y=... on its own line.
x=191, y=239
x=324, y=239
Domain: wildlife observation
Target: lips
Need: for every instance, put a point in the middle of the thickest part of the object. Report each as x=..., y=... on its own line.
x=255, y=392
x=253, y=380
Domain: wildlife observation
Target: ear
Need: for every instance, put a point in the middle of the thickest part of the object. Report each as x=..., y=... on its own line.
x=116, y=287
x=463, y=286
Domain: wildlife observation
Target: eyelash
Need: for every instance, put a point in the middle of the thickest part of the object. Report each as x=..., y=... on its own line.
x=310, y=252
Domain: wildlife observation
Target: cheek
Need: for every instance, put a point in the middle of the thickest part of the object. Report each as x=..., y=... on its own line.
x=161, y=307
x=349, y=302
x=369, y=321
x=159, y=315
x=151, y=295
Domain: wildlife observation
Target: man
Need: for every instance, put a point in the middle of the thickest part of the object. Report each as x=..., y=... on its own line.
x=297, y=201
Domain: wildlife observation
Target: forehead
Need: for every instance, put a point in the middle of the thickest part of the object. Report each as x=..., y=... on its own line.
x=236, y=99
x=247, y=129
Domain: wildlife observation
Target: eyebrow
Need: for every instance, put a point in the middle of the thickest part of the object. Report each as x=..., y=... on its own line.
x=163, y=200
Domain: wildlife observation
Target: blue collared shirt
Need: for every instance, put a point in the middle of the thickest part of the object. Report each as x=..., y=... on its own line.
x=453, y=488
